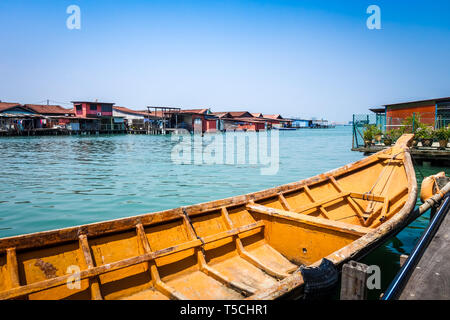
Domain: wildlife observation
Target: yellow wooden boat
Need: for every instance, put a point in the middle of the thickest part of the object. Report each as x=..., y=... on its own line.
x=244, y=247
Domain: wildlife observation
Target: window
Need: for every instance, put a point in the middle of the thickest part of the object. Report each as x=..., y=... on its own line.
x=106, y=108
x=93, y=107
x=79, y=108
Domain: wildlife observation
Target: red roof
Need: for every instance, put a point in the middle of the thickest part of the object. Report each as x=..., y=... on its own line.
x=433, y=101
x=194, y=111
x=126, y=110
x=94, y=102
x=8, y=105
x=48, y=109
x=273, y=116
x=222, y=114
x=168, y=112
x=160, y=114
x=235, y=114
x=248, y=119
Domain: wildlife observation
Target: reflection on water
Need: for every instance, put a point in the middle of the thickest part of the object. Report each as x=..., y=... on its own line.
x=55, y=182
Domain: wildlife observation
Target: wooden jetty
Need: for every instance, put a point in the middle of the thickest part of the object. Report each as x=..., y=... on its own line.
x=432, y=155
x=430, y=279
x=425, y=275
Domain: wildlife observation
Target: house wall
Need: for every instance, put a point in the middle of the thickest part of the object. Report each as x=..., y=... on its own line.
x=260, y=126
x=185, y=121
x=228, y=124
x=202, y=118
x=211, y=125
x=86, y=110
x=127, y=116
x=18, y=110
x=397, y=114
x=300, y=123
x=63, y=122
x=252, y=126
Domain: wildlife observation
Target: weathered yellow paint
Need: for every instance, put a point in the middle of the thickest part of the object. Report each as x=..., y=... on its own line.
x=249, y=246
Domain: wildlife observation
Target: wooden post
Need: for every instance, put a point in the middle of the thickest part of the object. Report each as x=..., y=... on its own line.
x=403, y=259
x=354, y=279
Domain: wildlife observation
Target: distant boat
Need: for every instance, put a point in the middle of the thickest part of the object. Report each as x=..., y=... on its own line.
x=249, y=246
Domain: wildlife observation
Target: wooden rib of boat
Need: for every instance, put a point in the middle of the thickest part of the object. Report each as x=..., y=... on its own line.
x=249, y=246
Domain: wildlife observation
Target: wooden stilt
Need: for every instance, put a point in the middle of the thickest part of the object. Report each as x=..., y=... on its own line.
x=354, y=279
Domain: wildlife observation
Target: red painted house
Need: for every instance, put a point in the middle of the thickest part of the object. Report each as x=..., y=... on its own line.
x=241, y=121
x=87, y=109
x=276, y=120
x=97, y=116
x=55, y=114
x=434, y=112
x=197, y=120
x=250, y=124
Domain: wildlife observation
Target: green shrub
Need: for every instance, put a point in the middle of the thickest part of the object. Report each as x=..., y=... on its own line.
x=371, y=131
x=424, y=133
x=416, y=120
x=441, y=134
x=394, y=134
x=368, y=133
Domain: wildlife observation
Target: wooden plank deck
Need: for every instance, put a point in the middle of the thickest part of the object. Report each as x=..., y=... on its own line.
x=431, y=278
x=421, y=154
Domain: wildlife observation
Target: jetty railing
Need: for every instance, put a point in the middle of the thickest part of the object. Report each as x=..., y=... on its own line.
x=409, y=122
x=360, y=121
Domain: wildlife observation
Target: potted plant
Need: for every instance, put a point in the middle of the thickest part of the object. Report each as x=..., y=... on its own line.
x=387, y=139
x=441, y=135
x=368, y=135
x=425, y=135
x=413, y=124
x=377, y=133
x=392, y=135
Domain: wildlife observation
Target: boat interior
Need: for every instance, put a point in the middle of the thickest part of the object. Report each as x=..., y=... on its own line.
x=225, y=249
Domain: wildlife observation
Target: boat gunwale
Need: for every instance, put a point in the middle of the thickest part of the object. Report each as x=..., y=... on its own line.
x=60, y=236
x=358, y=248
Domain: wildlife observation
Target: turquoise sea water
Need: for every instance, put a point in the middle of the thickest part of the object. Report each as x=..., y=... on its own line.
x=54, y=182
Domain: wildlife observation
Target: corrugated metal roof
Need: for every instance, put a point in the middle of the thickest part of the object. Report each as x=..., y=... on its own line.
x=48, y=109
x=235, y=114
x=8, y=105
x=434, y=101
x=97, y=102
x=273, y=116
x=247, y=119
x=194, y=111
x=127, y=110
x=20, y=115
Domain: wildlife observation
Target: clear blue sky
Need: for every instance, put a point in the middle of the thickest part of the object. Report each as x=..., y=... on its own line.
x=297, y=58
